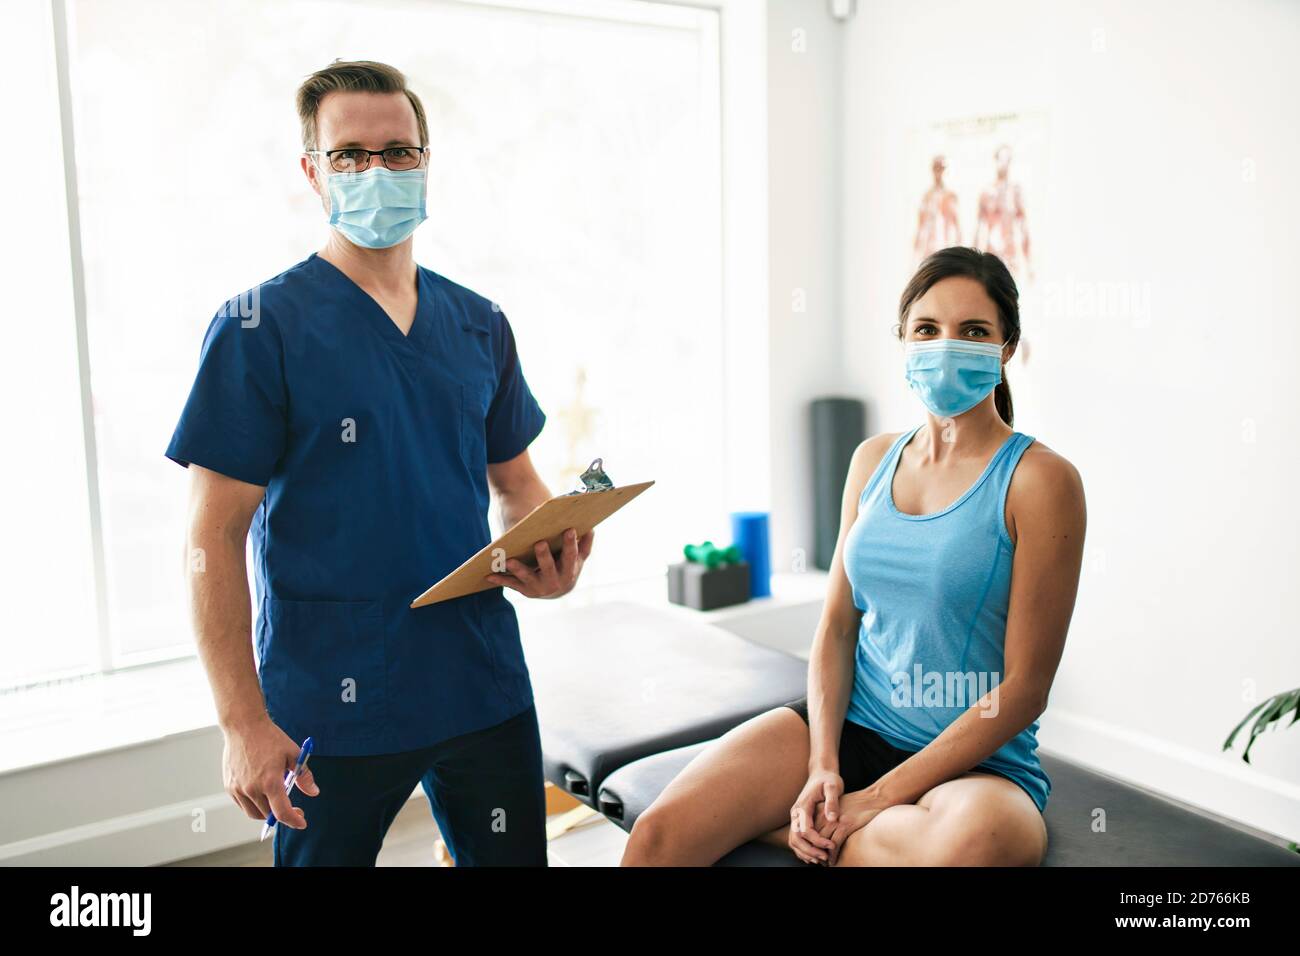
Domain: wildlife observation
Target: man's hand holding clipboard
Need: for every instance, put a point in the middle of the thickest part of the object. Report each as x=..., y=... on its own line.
x=546, y=578
x=561, y=525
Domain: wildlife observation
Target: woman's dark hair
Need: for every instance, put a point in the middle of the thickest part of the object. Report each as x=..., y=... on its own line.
x=991, y=272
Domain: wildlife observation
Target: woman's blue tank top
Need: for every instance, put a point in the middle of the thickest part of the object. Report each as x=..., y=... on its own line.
x=933, y=591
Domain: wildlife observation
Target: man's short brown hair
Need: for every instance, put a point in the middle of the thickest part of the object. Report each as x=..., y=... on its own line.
x=365, y=76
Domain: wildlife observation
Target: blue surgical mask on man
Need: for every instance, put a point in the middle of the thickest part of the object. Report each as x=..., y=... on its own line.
x=952, y=376
x=379, y=207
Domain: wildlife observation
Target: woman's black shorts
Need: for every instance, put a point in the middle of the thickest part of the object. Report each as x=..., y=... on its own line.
x=865, y=757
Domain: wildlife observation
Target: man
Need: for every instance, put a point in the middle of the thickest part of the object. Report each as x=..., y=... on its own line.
x=355, y=409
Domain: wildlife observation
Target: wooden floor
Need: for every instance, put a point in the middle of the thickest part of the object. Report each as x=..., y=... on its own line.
x=411, y=839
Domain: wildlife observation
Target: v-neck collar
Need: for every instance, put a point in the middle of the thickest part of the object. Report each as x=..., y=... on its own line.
x=988, y=470
x=419, y=331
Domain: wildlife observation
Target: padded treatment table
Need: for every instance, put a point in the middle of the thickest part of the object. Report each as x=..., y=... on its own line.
x=618, y=681
x=1142, y=829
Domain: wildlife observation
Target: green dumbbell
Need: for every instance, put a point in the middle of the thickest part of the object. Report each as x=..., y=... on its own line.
x=710, y=555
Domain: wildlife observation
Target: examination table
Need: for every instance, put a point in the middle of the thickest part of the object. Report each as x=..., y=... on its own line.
x=627, y=695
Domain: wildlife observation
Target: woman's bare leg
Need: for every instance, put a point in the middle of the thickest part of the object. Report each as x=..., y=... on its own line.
x=977, y=819
x=739, y=788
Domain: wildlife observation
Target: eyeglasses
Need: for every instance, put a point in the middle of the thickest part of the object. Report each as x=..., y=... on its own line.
x=355, y=160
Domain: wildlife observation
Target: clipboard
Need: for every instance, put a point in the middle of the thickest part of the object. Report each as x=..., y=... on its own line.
x=548, y=521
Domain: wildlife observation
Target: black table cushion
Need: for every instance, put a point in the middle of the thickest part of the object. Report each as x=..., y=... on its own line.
x=1141, y=828
x=618, y=681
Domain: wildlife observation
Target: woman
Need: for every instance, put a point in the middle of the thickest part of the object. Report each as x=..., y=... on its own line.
x=950, y=594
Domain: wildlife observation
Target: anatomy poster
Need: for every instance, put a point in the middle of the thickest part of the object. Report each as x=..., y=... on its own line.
x=978, y=181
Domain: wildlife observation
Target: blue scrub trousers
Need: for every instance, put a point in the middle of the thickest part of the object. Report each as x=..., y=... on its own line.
x=485, y=788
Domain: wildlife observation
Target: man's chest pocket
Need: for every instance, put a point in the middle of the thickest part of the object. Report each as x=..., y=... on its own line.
x=475, y=399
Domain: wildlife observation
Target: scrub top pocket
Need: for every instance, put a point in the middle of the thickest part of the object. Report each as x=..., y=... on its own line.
x=500, y=629
x=323, y=670
x=474, y=400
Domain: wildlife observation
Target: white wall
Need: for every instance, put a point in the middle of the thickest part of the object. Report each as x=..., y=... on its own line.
x=804, y=93
x=1172, y=164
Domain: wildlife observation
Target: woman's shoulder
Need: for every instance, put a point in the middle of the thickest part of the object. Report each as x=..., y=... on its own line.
x=871, y=451
x=1046, y=462
x=866, y=459
x=1044, y=478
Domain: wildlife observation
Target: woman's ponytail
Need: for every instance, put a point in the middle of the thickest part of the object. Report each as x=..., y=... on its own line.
x=1002, y=400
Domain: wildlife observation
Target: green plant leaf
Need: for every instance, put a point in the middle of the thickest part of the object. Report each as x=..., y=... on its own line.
x=1228, y=743
x=1268, y=715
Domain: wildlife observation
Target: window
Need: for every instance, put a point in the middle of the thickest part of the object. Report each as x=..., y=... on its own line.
x=46, y=562
x=574, y=179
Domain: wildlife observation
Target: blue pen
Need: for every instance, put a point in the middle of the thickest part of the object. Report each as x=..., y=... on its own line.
x=289, y=779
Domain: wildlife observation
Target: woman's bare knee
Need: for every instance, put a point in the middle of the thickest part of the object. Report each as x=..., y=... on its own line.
x=986, y=821
x=896, y=836
x=739, y=788
x=982, y=843
x=977, y=819
x=651, y=841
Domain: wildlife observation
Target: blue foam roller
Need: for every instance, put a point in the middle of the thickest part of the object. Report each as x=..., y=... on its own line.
x=749, y=533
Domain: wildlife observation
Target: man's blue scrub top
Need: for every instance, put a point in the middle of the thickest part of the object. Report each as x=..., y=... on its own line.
x=373, y=447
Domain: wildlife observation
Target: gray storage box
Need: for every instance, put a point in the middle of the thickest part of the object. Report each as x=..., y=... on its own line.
x=694, y=585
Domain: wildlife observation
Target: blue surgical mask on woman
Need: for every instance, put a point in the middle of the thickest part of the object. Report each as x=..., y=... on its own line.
x=952, y=376
x=377, y=208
